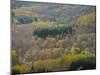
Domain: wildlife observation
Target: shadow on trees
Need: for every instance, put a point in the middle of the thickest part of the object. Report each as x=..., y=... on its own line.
x=84, y=64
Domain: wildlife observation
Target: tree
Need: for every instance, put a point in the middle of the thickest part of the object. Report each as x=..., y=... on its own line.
x=84, y=64
x=51, y=64
x=20, y=68
x=39, y=66
x=14, y=57
x=24, y=20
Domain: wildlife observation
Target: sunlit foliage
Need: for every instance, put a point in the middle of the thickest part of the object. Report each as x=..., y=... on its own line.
x=20, y=68
x=52, y=37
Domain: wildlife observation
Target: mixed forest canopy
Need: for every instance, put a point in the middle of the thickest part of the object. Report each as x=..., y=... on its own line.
x=49, y=37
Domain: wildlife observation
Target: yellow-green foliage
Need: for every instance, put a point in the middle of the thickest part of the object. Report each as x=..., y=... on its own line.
x=62, y=63
x=14, y=54
x=87, y=19
x=75, y=50
x=59, y=39
x=39, y=65
x=43, y=24
x=66, y=60
x=51, y=64
x=23, y=11
x=21, y=68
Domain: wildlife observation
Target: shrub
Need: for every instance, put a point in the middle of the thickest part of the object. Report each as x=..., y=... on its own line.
x=84, y=64
x=39, y=66
x=24, y=19
x=14, y=57
x=20, y=68
x=75, y=61
x=51, y=64
x=14, y=54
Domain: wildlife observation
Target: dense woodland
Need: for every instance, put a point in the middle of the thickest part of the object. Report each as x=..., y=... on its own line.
x=49, y=37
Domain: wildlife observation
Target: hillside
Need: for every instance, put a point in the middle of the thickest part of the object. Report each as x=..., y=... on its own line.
x=49, y=37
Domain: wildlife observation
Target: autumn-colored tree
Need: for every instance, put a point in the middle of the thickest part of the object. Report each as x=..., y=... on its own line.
x=20, y=68
x=14, y=57
x=39, y=66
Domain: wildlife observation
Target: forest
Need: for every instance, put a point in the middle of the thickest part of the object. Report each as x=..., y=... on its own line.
x=52, y=37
